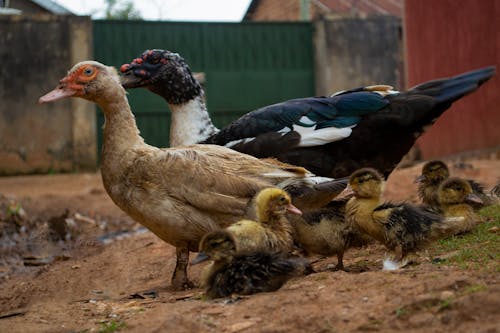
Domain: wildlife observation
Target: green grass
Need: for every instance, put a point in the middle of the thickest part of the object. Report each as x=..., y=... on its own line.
x=112, y=326
x=479, y=249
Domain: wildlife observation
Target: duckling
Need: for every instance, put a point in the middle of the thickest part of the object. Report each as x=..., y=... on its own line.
x=271, y=231
x=239, y=272
x=434, y=173
x=401, y=227
x=326, y=232
x=455, y=197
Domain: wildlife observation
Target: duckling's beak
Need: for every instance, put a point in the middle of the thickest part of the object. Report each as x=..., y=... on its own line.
x=473, y=198
x=201, y=257
x=293, y=210
x=419, y=179
x=348, y=191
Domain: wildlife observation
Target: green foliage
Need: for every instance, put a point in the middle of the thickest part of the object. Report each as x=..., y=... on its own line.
x=121, y=10
x=112, y=326
x=479, y=249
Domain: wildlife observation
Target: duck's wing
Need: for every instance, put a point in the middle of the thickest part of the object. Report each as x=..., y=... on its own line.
x=303, y=122
x=210, y=178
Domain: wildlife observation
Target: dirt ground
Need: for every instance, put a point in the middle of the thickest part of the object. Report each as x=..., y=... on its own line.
x=67, y=266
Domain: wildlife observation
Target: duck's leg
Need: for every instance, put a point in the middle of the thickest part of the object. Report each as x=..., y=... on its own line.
x=180, y=279
x=340, y=262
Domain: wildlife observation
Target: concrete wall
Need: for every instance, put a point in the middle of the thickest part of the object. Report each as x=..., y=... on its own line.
x=459, y=36
x=35, y=52
x=352, y=52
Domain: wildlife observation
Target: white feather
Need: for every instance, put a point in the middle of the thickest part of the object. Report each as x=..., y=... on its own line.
x=235, y=142
x=393, y=265
x=310, y=137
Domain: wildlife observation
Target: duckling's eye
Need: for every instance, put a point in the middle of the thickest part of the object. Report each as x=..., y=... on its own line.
x=88, y=71
x=282, y=199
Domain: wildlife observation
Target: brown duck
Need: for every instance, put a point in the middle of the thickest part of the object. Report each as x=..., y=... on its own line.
x=179, y=194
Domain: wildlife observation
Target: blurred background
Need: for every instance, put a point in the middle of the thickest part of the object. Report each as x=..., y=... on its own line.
x=252, y=52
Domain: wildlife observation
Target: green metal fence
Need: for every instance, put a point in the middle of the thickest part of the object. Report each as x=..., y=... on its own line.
x=247, y=65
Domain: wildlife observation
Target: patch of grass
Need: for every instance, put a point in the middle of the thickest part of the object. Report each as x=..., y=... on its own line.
x=479, y=249
x=475, y=288
x=445, y=304
x=112, y=326
x=401, y=312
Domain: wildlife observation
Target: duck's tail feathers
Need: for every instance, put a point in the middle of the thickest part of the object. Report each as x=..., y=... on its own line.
x=451, y=89
x=313, y=192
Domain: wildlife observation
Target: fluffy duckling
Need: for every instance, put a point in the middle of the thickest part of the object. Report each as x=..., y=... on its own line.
x=325, y=231
x=455, y=197
x=401, y=227
x=234, y=272
x=434, y=173
x=271, y=231
x=181, y=193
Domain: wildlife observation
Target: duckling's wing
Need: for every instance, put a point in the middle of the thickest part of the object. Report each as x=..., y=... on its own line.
x=404, y=223
x=263, y=271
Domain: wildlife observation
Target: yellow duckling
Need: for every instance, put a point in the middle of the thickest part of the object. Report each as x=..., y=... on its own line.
x=455, y=197
x=326, y=232
x=434, y=173
x=401, y=227
x=271, y=231
x=234, y=272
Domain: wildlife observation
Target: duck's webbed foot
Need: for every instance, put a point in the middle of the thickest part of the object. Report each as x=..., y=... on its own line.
x=180, y=279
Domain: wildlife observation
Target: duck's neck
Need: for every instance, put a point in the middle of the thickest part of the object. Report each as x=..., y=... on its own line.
x=120, y=135
x=190, y=123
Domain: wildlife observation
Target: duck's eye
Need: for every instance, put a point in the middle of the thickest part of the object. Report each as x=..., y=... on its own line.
x=154, y=59
x=88, y=71
x=282, y=199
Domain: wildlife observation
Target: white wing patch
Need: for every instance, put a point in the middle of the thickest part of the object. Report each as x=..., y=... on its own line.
x=310, y=137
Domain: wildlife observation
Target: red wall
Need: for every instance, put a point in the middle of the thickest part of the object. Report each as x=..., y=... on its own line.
x=444, y=38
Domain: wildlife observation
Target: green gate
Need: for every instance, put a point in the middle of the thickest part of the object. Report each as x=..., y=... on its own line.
x=247, y=65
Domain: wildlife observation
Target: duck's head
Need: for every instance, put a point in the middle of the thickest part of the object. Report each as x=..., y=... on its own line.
x=273, y=202
x=218, y=245
x=366, y=183
x=457, y=191
x=164, y=73
x=433, y=172
x=90, y=80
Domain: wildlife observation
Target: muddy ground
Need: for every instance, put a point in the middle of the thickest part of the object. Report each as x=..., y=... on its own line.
x=67, y=266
